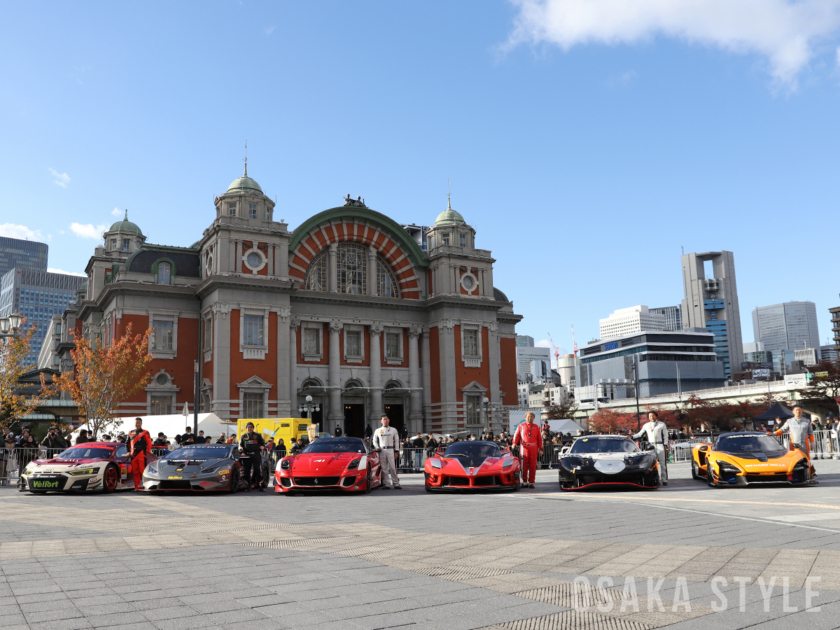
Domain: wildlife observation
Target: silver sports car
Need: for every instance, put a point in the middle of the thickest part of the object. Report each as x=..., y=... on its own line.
x=200, y=467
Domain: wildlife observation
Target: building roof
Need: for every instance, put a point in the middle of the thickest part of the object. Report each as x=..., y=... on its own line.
x=449, y=216
x=125, y=226
x=244, y=184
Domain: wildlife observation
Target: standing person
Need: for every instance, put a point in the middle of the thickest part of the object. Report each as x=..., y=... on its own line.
x=418, y=445
x=139, y=447
x=252, y=445
x=280, y=449
x=830, y=433
x=801, y=436
x=386, y=441
x=657, y=434
x=6, y=454
x=200, y=439
x=221, y=439
x=54, y=443
x=338, y=431
x=368, y=432
x=431, y=445
x=187, y=438
x=529, y=439
x=161, y=440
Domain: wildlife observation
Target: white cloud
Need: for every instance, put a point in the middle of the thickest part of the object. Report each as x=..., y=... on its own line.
x=270, y=30
x=542, y=343
x=71, y=273
x=60, y=179
x=87, y=230
x=117, y=212
x=785, y=32
x=13, y=230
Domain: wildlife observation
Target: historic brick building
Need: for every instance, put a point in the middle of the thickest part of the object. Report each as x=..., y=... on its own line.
x=346, y=308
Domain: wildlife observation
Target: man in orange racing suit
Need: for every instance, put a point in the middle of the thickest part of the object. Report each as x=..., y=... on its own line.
x=139, y=446
x=529, y=439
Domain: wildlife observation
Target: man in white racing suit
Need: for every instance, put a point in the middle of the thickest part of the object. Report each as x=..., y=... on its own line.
x=801, y=436
x=386, y=441
x=657, y=434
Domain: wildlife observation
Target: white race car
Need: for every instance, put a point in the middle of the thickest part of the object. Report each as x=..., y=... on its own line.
x=84, y=467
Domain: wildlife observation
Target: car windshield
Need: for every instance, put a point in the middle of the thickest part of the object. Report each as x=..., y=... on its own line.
x=80, y=452
x=336, y=445
x=200, y=452
x=748, y=444
x=604, y=445
x=473, y=450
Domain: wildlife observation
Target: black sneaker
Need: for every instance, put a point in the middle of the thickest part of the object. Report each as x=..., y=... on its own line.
x=262, y=489
x=386, y=487
x=397, y=487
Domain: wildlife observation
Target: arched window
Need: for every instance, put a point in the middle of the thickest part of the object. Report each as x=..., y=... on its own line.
x=163, y=273
x=316, y=275
x=386, y=283
x=352, y=269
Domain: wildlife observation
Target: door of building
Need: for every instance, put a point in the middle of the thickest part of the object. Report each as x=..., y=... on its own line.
x=396, y=415
x=354, y=420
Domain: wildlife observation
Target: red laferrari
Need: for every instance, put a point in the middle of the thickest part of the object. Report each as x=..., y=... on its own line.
x=343, y=463
x=472, y=466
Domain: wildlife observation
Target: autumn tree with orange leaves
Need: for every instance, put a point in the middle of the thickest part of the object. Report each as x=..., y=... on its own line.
x=607, y=421
x=105, y=376
x=16, y=400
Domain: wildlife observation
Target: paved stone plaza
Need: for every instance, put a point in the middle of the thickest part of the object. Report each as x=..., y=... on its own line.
x=413, y=560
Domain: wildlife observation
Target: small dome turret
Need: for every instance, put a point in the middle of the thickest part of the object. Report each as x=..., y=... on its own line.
x=125, y=226
x=244, y=184
x=449, y=216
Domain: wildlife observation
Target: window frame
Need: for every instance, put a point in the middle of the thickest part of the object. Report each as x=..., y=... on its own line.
x=319, y=266
x=252, y=210
x=472, y=360
x=347, y=331
x=384, y=271
x=319, y=328
x=232, y=209
x=477, y=400
x=255, y=351
x=256, y=397
x=400, y=346
x=162, y=316
x=360, y=272
x=254, y=250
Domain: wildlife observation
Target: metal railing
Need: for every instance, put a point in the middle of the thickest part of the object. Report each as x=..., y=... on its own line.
x=13, y=460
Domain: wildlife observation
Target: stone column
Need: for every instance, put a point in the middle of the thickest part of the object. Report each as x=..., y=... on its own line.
x=281, y=265
x=494, y=363
x=237, y=261
x=332, y=269
x=416, y=414
x=284, y=372
x=371, y=271
x=270, y=261
x=376, y=408
x=336, y=412
x=294, y=324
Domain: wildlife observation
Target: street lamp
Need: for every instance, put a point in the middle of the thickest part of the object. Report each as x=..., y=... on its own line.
x=308, y=407
x=10, y=325
x=485, y=403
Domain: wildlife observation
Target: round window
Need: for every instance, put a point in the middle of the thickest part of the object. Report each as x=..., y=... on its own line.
x=254, y=260
x=162, y=379
x=468, y=282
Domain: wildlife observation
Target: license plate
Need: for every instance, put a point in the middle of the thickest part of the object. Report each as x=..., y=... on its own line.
x=43, y=484
x=175, y=477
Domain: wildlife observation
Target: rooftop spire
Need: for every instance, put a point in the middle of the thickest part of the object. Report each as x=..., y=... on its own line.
x=246, y=158
x=448, y=195
x=126, y=215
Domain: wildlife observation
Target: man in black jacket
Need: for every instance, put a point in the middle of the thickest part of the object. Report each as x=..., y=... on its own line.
x=54, y=443
x=252, y=445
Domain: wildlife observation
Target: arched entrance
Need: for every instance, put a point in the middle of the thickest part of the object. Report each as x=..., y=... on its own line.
x=354, y=408
x=393, y=399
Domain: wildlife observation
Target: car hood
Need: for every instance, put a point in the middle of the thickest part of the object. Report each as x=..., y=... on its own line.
x=67, y=462
x=193, y=465
x=603, y=456
x=477, y=464
x=322, y=462
x=762, y=457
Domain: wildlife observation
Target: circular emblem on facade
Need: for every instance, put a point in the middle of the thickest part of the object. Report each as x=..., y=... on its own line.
x=469, y=282
x=254, y=260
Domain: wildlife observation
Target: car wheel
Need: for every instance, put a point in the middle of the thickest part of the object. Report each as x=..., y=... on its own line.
x=695, y=471
x=709, y=478
x=110, y=479
x=234, y=480
x=368, y=482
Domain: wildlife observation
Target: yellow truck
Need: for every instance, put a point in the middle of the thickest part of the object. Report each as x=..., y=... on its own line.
x=285, y=428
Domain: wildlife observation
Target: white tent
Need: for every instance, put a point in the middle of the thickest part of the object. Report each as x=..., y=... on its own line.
x=171, y=425
x=517, y=417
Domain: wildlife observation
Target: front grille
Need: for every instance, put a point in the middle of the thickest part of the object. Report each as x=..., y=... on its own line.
x=316, y=481
x=175, y=485
x=778, y=476
x=486, y=481
x=456, y=481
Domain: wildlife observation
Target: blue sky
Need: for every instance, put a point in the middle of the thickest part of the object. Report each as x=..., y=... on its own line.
x=584, y=151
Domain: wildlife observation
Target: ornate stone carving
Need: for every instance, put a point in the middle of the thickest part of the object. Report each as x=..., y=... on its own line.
x=447, y=324
x=493, y=327
x=415, y=331
x=294, y=323
x=336, y=325
x=376, y=329
x=284, y=312
x=221, y=308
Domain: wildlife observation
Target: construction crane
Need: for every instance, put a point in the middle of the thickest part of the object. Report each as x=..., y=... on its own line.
x=556, y=351
x=573, y=340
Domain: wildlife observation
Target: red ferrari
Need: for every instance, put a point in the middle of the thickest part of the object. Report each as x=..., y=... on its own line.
x=472, y=466
x=344, y=463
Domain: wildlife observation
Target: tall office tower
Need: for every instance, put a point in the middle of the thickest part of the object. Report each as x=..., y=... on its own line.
x=37, y=295
x=673, y=316
x=629, y=320
x=711, y=302
x=787, y=326
x=15, y=252
x=524, y=341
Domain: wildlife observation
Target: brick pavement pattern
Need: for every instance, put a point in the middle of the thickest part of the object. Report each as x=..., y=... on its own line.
x=411, y=560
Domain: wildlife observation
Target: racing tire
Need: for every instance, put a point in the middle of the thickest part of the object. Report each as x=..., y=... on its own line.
x=695, y=471
x=428, y=489
x=709, y=478
x=368, y=483
x=234, y=480
x=110, y=479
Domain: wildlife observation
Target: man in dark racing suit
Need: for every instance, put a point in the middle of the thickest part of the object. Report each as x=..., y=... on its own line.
x=251, y=445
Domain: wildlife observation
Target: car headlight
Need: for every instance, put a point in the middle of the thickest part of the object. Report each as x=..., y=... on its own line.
x=727, y=467
x=284, y=464
x=29, y=468
x=83, y=471
x=212, y=468
x=507, y=463
x=353, y=465
x=435, y=462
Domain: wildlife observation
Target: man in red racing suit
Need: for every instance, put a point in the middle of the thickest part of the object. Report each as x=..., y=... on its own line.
x=529, y=439
x=139, y=446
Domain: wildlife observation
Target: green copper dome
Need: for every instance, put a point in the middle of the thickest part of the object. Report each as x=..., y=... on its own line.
x=449, y=217
x=245, y=184
x=125, y=226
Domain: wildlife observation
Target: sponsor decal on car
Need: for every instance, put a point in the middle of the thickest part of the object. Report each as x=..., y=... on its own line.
x=175, y=477
x=224, y=472
x=44, y=484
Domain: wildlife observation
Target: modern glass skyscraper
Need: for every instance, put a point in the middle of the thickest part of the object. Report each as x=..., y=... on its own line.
x=37, y=295
x=673, y=316
x=15, y=252
x=787, y=326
